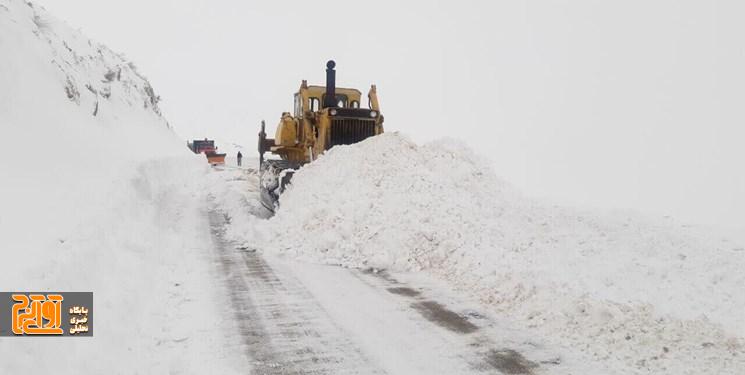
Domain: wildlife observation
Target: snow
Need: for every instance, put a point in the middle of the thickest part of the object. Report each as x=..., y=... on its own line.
x=98, y=194
x=641, y=294
x=109, y=202
x=396, y=336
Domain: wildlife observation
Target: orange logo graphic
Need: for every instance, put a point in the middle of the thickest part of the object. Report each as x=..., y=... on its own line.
x=37, y=314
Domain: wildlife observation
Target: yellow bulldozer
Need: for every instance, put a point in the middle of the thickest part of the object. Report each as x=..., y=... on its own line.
x=323, y=117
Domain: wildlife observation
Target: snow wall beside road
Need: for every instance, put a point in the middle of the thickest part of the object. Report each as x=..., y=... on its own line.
x=631, y=284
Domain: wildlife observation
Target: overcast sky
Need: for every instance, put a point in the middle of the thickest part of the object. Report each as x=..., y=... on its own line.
x=624, y=104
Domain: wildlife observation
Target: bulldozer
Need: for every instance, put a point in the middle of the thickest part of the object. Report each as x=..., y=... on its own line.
x=323, y=117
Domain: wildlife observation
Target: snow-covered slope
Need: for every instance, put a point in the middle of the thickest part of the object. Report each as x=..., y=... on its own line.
x=72, y=113
x=98, y=194
x=640, y=295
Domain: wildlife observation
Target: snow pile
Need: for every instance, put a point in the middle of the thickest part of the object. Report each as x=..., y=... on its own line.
x=650, y=296
x=385, y=203
x=97, y=194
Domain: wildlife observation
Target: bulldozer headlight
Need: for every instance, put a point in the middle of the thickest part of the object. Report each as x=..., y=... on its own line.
x=373, y=114
x=332, y=112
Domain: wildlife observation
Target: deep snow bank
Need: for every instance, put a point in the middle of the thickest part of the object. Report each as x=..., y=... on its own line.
x=97, y=194
x=74, y=117
x=650, y=295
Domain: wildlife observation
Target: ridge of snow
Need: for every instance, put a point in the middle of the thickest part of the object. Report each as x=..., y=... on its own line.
x=651, y=295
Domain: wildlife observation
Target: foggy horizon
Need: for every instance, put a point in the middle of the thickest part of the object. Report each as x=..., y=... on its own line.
x=632, y=105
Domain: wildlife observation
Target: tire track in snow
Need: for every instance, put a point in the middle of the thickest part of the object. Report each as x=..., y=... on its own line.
x=489, y=359
x=284, y=329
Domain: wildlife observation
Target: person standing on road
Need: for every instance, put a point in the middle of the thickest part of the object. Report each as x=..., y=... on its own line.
x=240, y=158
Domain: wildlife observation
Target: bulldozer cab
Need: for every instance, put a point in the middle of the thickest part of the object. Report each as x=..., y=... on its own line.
x=309, y=98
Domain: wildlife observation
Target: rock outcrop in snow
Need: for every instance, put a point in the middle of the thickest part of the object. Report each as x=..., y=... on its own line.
x=87, y=73
x=650, y=295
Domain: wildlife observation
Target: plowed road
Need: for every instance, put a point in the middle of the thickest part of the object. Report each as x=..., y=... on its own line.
x=299, y=318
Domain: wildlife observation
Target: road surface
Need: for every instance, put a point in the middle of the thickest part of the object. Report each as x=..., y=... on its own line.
x=300, y=318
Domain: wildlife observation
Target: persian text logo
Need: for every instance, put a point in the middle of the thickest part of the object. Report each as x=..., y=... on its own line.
x=78, y=320
x=37, y=314
x=46, y=313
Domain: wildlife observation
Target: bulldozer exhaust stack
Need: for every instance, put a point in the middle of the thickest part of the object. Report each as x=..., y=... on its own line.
x=330, y=98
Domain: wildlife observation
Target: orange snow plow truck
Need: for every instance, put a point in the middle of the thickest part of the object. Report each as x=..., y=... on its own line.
x=207, y=147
